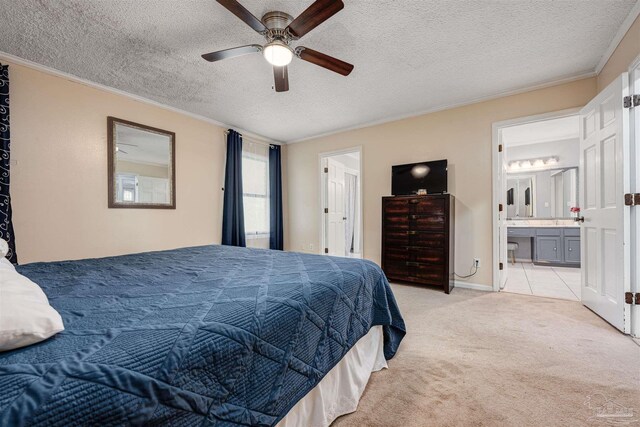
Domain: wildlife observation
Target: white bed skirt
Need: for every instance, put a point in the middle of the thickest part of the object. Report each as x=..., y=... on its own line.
x=339, y=392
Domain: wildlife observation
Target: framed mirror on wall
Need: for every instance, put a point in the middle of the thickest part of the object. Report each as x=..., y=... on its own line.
x=141, y=166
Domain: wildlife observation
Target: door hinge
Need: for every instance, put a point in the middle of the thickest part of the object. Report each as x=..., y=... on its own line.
x=500, y=148
x=631, y=298
x=326, y=170
x=326, y=250
x=631, y=101
x=500, y=207
x=500, y=266
x=326, y=210
x=632, y=199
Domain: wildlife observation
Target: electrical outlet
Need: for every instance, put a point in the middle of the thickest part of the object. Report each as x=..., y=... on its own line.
x=476, y=262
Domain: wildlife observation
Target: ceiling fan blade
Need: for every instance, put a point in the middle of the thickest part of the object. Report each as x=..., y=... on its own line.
x=325, y=61
x=281, y=75
x=316, y=14
x=241, y=12
x=232, y=53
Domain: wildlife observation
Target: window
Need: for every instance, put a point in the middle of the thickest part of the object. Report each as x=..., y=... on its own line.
x=255, y=185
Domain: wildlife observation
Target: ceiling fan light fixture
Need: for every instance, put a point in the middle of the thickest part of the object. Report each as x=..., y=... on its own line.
x=277, y=53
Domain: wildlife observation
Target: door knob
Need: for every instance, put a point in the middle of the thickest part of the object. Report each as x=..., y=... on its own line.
x=344, y=218
x=579, y=219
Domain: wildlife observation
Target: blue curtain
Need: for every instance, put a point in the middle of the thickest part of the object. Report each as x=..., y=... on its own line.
x=6, y=227
x=276, y=240
x=233, y=209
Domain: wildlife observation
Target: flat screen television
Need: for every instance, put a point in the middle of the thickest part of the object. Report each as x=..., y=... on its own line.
x=412, y=178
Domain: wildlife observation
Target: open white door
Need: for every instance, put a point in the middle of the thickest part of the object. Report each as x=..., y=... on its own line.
x=634, y=74
x=335, y=205
x=604, y=179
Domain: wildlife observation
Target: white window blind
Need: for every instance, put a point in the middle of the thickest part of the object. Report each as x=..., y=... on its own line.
x=255, y=186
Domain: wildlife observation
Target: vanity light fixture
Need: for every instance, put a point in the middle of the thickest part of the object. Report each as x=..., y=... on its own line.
x=533, y=164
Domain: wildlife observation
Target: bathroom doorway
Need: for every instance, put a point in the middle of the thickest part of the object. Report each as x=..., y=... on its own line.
x=539, y=188
x=341, y=201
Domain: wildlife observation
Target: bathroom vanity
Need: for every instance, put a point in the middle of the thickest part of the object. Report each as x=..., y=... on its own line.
x=539, y=217
x=554, y=243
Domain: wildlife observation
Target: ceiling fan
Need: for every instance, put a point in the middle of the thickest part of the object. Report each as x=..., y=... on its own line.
x=280, y=29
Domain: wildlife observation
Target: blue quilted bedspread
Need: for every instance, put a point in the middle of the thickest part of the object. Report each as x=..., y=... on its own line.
x=209, y=335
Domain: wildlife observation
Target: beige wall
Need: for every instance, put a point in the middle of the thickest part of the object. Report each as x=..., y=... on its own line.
x=461, y=135
x=59, y=184
x=628, y=49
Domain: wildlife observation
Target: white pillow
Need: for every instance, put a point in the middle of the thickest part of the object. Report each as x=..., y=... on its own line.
x=25, y=314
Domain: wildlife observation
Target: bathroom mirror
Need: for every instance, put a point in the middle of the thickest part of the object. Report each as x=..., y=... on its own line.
x=141, y=165
x=520, y=196
x=551, y=194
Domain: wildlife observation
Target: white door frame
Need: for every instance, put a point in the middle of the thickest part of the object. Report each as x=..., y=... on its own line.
x=495, y=170
x=323, y=195
x=634, y=146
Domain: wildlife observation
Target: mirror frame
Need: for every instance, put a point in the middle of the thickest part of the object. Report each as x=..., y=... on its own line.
x=111, y=166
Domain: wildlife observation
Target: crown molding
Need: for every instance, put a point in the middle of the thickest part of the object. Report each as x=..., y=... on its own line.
x=75, y=79
x=622, y=31
x=443, y=107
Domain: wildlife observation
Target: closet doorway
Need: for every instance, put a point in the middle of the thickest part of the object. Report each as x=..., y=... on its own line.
x=341, y=203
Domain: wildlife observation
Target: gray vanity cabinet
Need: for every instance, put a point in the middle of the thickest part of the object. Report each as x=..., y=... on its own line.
x=571, y=245
x=572, y=250
x=557, y=245
x=548, y=249
x=548, y=245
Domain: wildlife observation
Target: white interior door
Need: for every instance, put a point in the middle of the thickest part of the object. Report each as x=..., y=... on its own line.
x=604, y=178
x=634, y=73
x=335, y=204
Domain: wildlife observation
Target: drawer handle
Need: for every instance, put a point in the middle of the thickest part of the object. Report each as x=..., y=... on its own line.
x=414, y=201
x=413, y=264
x=412, y=233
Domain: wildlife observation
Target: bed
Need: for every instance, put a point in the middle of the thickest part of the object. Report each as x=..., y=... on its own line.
x=210, y=335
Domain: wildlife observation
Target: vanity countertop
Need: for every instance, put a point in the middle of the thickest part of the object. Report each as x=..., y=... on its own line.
x=541, y=223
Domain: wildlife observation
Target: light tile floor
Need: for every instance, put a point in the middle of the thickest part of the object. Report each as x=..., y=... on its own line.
x=543, y=281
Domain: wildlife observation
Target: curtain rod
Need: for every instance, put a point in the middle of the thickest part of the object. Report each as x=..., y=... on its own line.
x=253, y=141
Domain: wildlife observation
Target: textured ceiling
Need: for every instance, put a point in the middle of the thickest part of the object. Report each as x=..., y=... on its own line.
x=409, y=55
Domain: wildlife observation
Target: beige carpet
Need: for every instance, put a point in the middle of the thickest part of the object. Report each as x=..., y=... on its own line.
x=496, y=359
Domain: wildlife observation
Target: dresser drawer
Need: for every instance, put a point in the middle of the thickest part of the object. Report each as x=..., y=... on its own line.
x=415, y=254
x=396, y=206
x=429, y=206
x=427, y=239
x=414, y=222
x=415, y=272
x=395, y=238
x=396, y=221
x=427, y=273
x=427, y=222
x=395, y=269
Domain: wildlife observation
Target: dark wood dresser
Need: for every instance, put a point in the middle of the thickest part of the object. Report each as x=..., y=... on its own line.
x=418, y=239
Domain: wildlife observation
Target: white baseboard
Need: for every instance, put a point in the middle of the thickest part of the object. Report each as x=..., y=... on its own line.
x=470, y=285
